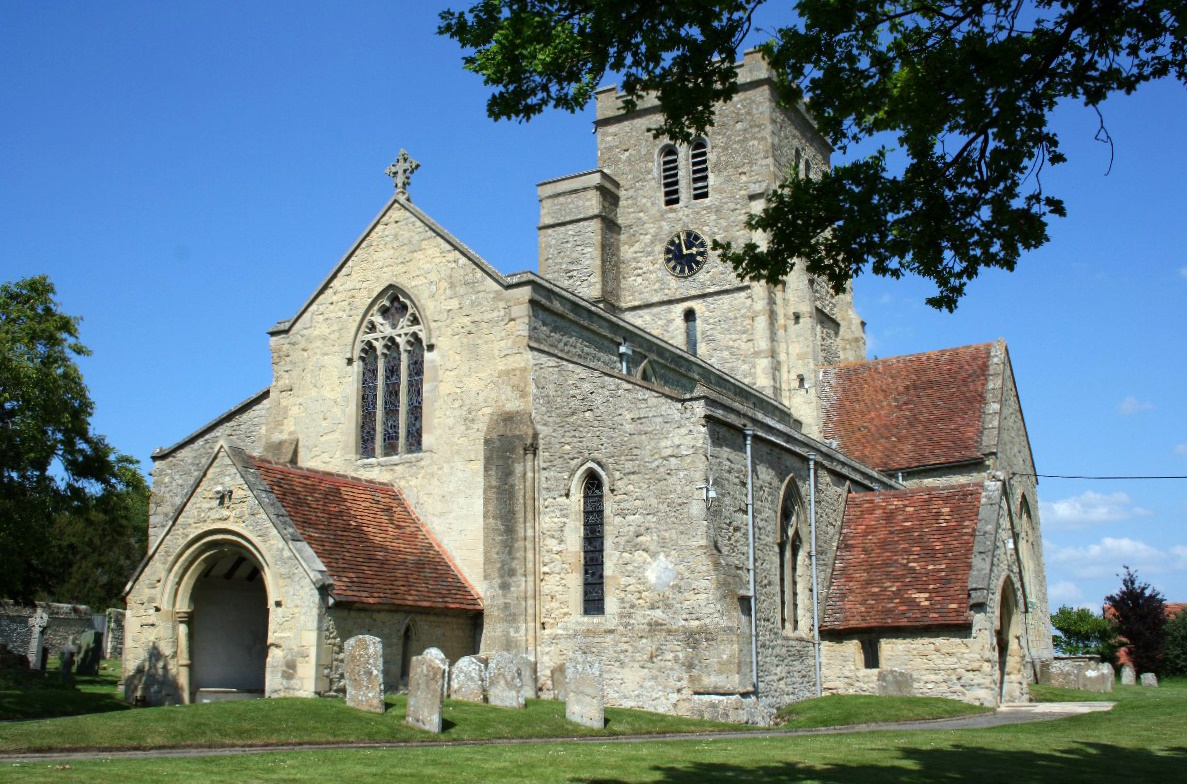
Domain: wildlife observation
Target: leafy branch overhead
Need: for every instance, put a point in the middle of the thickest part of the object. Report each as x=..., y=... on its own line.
x=950, y=101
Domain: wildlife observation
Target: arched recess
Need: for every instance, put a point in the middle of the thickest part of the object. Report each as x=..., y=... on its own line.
x=1008, y=643
x=646, y=372
x=795, y=579
x=408, y=638
x=589, y=492
x=669, y=174
x=219, y=588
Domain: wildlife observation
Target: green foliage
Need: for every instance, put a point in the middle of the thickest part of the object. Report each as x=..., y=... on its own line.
x=1081, y=632
x=953, y=98
x=1174, y=646
x=70, y=506
x=1141, y=620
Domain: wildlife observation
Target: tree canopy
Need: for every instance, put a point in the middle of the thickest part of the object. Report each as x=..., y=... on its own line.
x=1141, y=620
x=1081, y=632
x=60, y=483
x=951, y=100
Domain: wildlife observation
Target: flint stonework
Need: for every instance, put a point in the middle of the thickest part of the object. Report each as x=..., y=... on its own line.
x=584, y=701
x=467, y=681
x=426, y=692
x=364, y=673
x=504, y=681
x=895, y=683
x=1129, y=676
x=1149, y=679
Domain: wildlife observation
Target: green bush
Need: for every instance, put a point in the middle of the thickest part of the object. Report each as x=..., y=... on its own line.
x=1081, y=632
x=1174, y=645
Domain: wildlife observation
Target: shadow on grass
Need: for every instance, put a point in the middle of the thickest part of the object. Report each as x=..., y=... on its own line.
x=1083, y=763
x=45, y=695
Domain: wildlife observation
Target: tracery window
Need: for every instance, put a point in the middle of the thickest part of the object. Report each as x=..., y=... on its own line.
x=669, y=167
x=794, y=565
x=699, y=159
x=391, y=354
x=593, y=541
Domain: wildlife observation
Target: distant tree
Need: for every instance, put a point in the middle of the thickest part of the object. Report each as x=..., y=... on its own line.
x=1175, y=645
x=1141, y=620
x=1081, y=632
x=963, y=90
x=51, y=464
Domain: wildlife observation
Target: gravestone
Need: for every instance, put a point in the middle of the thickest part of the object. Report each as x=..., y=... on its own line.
x=895, y=683
x=467, y=681
x=1128, y=676
x=89, y=653
x=1099, y=677
x=584, y=701
x=37, y=626
x=558, y=682
x=426, y=692
x=504, y=681
x=436, y=655
x=66, y=658
x=1149, y=679
x=364, y=673
x=531, y=689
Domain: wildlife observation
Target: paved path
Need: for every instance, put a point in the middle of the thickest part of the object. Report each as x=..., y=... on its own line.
x=1009, y=714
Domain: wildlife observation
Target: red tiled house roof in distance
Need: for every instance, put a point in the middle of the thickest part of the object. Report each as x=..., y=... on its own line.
x=904, y=559
x=373, y=545
x=910, y=411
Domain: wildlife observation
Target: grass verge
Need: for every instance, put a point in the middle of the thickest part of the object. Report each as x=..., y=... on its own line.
x=839, y=710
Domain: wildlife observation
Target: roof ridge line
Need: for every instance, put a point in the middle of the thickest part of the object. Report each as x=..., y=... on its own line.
x=931, y=352
x=321, y=472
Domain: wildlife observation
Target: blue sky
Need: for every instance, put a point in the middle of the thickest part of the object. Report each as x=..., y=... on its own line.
x=188, y=175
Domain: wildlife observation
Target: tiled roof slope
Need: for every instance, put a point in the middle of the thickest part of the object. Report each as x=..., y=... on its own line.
x=904, y=559
x=373, y=545
x=910, y=411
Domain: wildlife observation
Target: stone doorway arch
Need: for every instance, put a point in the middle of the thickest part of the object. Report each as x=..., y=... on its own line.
x=1009, y=648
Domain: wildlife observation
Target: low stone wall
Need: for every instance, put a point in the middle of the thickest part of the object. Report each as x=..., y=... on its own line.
x=1086, y=673
x=65, y=621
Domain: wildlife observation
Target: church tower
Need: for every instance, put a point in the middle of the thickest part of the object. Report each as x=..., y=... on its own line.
x=635, y=236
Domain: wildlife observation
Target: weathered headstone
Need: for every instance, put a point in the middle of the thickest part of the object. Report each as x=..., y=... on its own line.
x=426, y=692
x=436, y=655
x=1149, y=679
x=504, y=681
x=1099, y=678
x=364, y=673
x=558, y=682
x=89, y=653
x=66, y=658
x=531, y=688
x=467, y=681
x=1129, y=676
x=37, y=625
x=895, y=683
x=584, y=701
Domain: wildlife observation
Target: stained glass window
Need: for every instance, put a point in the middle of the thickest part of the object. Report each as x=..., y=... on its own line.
x=593, y=531
x=391, y=394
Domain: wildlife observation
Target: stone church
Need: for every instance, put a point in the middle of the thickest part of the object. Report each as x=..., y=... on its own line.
x=631, y=454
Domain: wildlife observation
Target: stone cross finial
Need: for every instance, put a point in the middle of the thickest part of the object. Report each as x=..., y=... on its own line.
x=401, y=172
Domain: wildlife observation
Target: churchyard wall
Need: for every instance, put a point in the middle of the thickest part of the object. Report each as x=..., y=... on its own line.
x=66, y=622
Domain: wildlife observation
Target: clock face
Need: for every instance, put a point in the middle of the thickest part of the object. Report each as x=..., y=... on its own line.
x=686, y=253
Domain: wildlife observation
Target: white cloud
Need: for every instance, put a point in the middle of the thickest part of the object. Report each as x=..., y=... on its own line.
x=1181, y=449
x=1109, y=556
x=1088, y=509
x=1131, y=405
x=1064, y=592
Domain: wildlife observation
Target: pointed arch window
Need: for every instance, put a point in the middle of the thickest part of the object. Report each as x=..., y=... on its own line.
x=391, y=356
x=794, y=567
x=669, y=168
x=593, y=541
x=690, y=331
x=699, y=160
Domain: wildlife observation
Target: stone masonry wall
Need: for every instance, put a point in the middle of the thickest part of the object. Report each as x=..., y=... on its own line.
x=66, y=622
x=206, y=526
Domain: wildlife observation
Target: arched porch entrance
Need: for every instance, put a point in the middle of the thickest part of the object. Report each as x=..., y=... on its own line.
x=1009, y=649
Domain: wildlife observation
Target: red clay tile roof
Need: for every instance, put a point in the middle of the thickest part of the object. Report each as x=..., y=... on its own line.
x=910, y=411
x=373, y=545
x=904, y=559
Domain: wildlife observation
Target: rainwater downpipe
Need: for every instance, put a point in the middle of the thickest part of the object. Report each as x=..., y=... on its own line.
x=750, y=532
x=815, y=581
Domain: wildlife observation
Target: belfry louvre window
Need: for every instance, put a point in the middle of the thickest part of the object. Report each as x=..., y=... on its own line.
x=700, y=169
x=391, y=354
x=669, y=164
x=593, y=540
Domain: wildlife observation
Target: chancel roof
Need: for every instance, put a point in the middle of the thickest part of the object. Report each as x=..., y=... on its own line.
x=904, y=559
x=374, y=547
x=910, y=411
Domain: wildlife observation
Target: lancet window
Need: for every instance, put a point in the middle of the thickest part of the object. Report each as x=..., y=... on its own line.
x=794, y=566
x=391, y=355
x=593, y=540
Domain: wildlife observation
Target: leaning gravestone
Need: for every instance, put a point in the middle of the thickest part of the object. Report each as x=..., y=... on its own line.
x=467, y=681
x=584, y=701
x=895, y=683
x=426, y=692
x=37, y=626
x=558, y=682
x=1149, y=679
x=504, y=681
x=1128, y=675
x=89, y=653
x=364, y=673
x=531, y=688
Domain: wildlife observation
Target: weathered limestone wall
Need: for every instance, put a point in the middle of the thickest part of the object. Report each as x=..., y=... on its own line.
x=176, y=468
x=207, y=528
x=475, y=365
x=579, y=234
x=454, y=635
